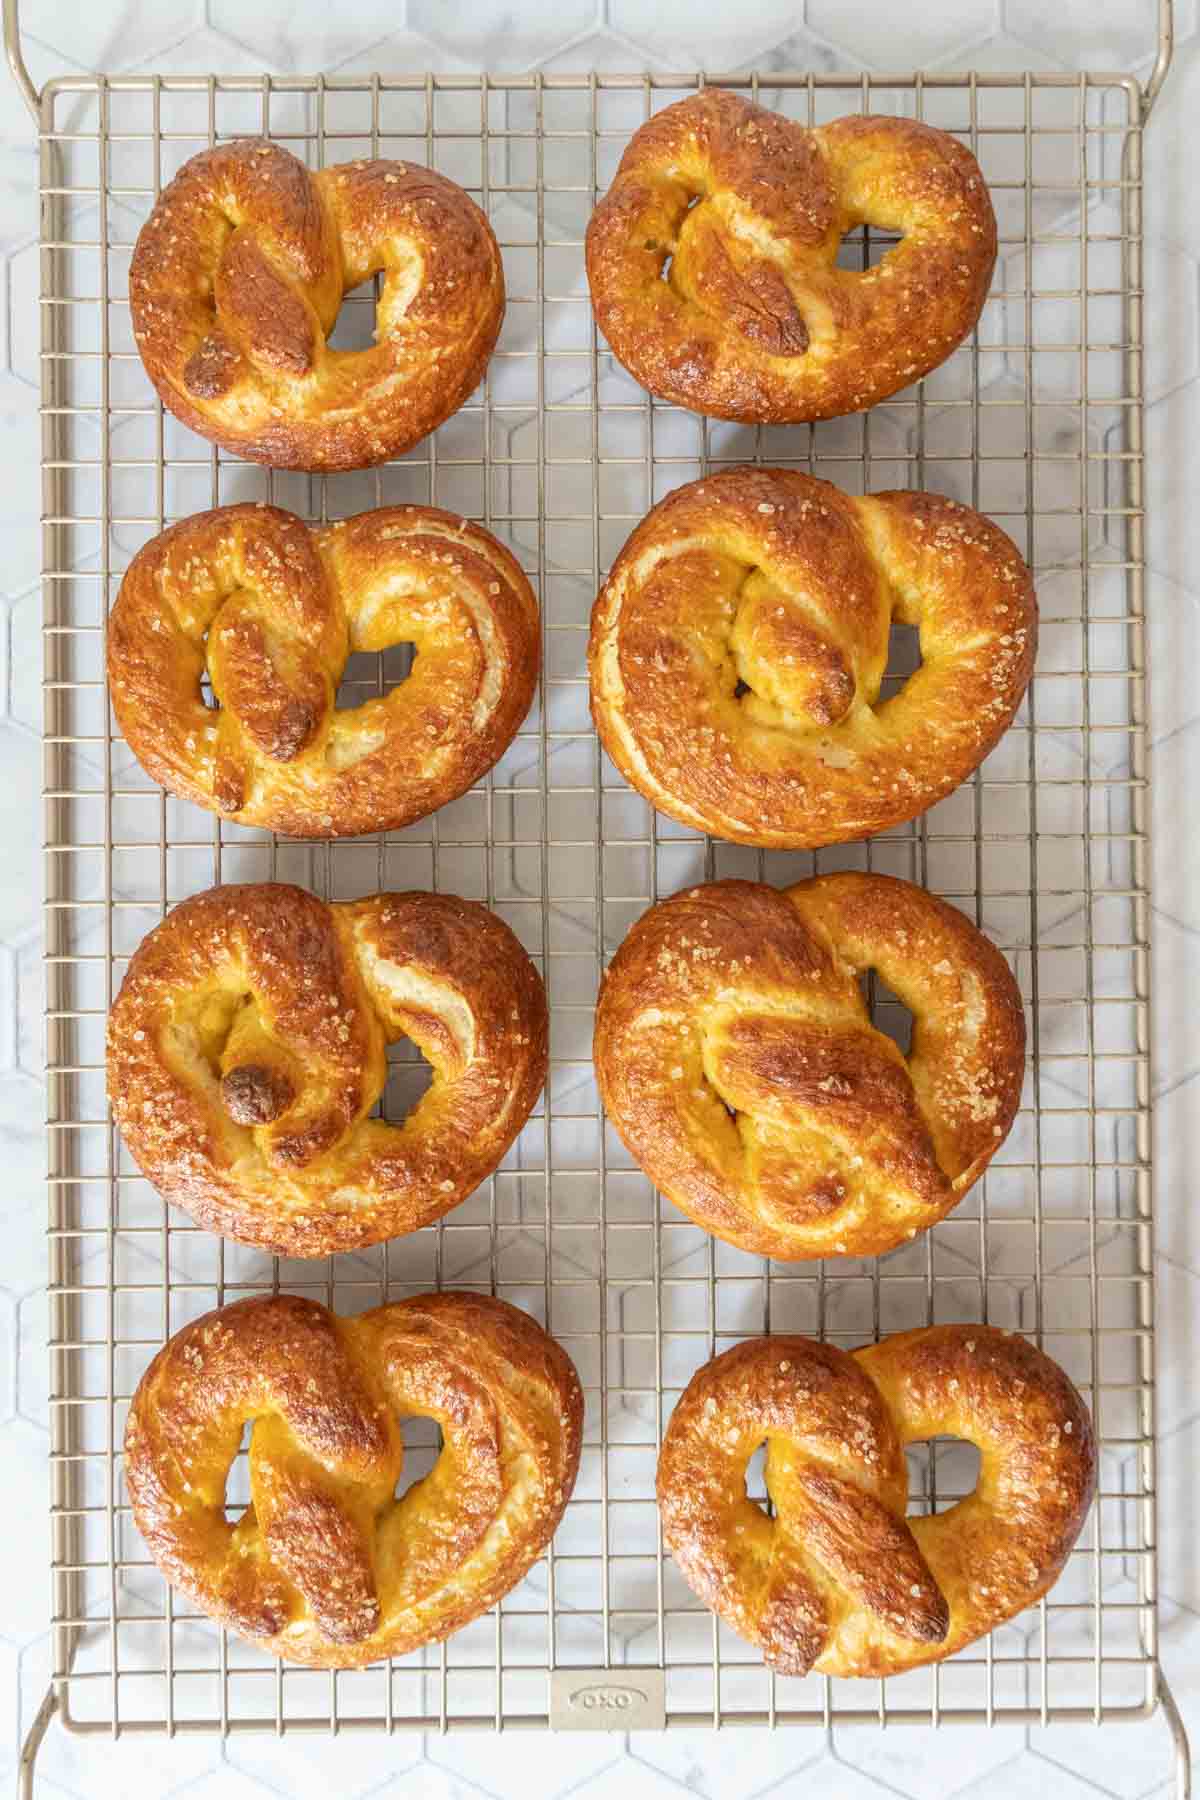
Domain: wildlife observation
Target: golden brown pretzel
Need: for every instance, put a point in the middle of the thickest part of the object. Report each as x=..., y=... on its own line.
x=712, y=258
x=738, y=647
x=839, y=1580
x=246, y=1050
x=237, y=278
x=737, y=1060
x=325, y=1566
x=273, y=609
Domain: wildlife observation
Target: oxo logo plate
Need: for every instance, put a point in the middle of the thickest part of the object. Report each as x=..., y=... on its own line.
x=632, y=1699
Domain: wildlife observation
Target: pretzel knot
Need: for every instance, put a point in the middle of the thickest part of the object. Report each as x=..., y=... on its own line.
x=238, y=275
x=839, y=1579
x=712, y=259
x=247, y=1051
x=739, y=646
x=738, y=1062
x=272, y=610
x=325, y=1566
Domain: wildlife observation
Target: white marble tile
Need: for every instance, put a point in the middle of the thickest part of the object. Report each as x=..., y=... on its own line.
x=915, y=1761
x=1090, y=34
x=557, y=35
x=496, y=34
x=111, y=37
x=887, y=38
x=352, y=1766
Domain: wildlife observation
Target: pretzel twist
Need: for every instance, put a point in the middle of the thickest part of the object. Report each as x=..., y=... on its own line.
x=839, y=1579
x=272, y=609
x=738, y=649
x=246, y=1050
x=737, y=1060
x=325, y=1566
x=237, y=278
x=712, y=259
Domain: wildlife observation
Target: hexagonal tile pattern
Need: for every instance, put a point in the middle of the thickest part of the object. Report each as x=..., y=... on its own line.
x=709, y=39
x=203, y=36
x=881, y=38
x=26, y=1600
x=21, y=496
x=271, y=24
x=1091, y=34
x=22, y=627
x=1173, y=346
x=564, y=1763
x=483, y=31
x=725, y=1765
x=350, y=1766
x=1124, y=1760
x=100, y=37
x=19, y=168
x=1030, y=1777
x=914, y=1761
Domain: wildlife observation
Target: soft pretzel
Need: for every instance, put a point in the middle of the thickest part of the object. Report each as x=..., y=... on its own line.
x=712, y=259
x=325, y=1566
x=273, y=609
x=738, y=647
x=246, y=1050
x=237, y=277
x=738, y=1062
x=839, y=1579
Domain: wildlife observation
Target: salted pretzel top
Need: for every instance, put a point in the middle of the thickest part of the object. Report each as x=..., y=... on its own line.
x=737, y=1060
x=237, y=277
x=246, y=1050
x=839, y=1579
x=273, y=609
x=712, y=259
x=326, y=1566
x=739, y=645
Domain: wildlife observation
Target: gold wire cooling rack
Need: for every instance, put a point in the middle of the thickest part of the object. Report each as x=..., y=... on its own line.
x=1038, y=421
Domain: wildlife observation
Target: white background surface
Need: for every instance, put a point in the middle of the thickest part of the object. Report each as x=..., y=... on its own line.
x=228, y=36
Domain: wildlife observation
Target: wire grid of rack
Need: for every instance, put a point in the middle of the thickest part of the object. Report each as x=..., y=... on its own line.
x=1037, y=421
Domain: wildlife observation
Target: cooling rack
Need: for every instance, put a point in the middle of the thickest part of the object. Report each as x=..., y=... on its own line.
x=1038, y=421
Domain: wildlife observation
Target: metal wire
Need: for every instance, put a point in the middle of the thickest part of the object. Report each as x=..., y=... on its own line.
x=1037, y=421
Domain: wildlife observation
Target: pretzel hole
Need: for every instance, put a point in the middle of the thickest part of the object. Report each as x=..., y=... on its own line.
x=237, y=1480
x=864, y=246
x=941, y=1472
x=888, y=1012
x=671, y=248
x=369, y=674
x=355, y=325
x=756, y=1478
x=903, y=660
x=408, y=1078
x=422, y=1439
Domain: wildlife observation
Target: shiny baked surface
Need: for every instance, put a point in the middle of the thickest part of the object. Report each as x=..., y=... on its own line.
x=739, y=645
x=838, y=1579
x=326, y=1567
x=737, y=1060
x=712, y=259
x=247, y=1049
x=271, y=609
x=236, y=281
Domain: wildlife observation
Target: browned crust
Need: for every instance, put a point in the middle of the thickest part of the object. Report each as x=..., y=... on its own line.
x=237, y=277
x=325, y=1568
x=778, y=581
x=743, y=211
x=839, y=1579
x=272, y=609
x=736, y=1060
x=305, y=996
